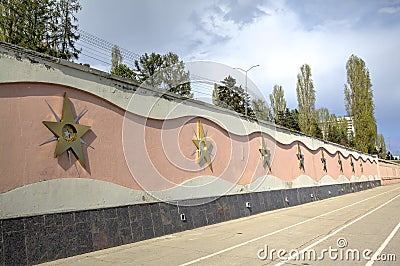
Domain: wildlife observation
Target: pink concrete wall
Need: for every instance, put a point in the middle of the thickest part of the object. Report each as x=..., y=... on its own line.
x=23, y=161
x=159, y=153
x=389, y=172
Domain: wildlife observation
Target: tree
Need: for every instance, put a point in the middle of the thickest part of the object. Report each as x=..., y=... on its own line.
x=149, y=69
x=278, y=102
x=261, y=110
x=380, y=147
x=232, y=97
x=389, y=156
x=333, y=134
x=46, y=26
x=116, y=57
x=34, y=29
x=292, y=118
x=306, y=100
x=289, y=119
x=323, y=119
x=25, y=22
x=359, y=104
x=175, y=78
x=67, y=28
x=124, y=71
x=215, y=97
x=11, y=20
x=315, y=128
x=337, y=130
x=164, y=72
x=343, y=134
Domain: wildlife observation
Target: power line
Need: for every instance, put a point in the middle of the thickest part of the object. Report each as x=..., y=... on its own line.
x=96, y=59
x=100, y=50
x=104, y=45
x=93, y=49
x=93, y=53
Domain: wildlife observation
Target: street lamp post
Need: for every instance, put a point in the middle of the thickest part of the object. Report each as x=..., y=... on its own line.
x=245, y=71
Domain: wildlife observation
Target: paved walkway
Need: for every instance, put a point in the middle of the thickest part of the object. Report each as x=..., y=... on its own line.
x=333, y=231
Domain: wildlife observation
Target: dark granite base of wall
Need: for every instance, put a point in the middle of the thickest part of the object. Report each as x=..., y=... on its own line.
x=36, y=239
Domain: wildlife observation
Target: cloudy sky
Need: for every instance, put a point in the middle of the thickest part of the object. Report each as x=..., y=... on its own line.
x=280, y=36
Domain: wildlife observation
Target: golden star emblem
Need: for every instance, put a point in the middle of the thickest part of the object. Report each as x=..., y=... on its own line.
x=340, y=164
x=265, y=153
x=300, y=157
x=323, y=161
x=67, y=132
x=352, y=164
x=202, y=146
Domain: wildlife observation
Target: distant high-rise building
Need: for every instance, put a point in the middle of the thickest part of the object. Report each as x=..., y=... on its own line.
x=350, y=125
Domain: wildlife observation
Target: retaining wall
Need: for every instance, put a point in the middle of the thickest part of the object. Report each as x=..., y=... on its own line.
x=389, y=172
x=143, y=176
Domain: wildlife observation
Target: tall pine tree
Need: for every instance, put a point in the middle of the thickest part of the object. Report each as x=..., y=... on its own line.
x=67, y=28
x=166, y=72
x=232, y=97
x=359, y=104
x=278, y=103
x=46, y=26
x=306, y=102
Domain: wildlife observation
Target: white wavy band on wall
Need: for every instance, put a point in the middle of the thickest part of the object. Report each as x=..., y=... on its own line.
x=75, y=194
x=151, y=104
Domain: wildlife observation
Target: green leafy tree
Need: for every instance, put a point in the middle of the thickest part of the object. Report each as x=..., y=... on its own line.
x=166, y=72
x=25, y=22
x=292, y=119
x=289, y=119
x=232, y=97
x=306, y=101
x=261, y=110
x=175, y=78
x=34, y=30
x=359, y=104
x=283, y=118
x=380, y=148
x=46, y=26
x=215, y=97
x=337, y=130
x=278, y=103
x=12, y=16
x=323, y=119
x=116, y=57
x=2, y=30
x=149, y=69
x=332, y=133
x=124, y=71
x=389, y=156
x=345, y=138
x=67, y=28
x=315, y=128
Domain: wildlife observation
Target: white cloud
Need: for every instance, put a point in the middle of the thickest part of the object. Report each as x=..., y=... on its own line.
x=281, y=44
x=278, y=35
x=389, y=10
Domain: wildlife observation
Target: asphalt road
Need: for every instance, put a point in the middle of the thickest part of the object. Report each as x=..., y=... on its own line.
x=349, y=229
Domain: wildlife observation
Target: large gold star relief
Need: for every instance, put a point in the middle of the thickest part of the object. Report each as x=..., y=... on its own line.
x=340, y=164
x=67, y=132
x=323, y=161
x=265, y=154
x=352, y=164
x=300, y=157
x=203, y=145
